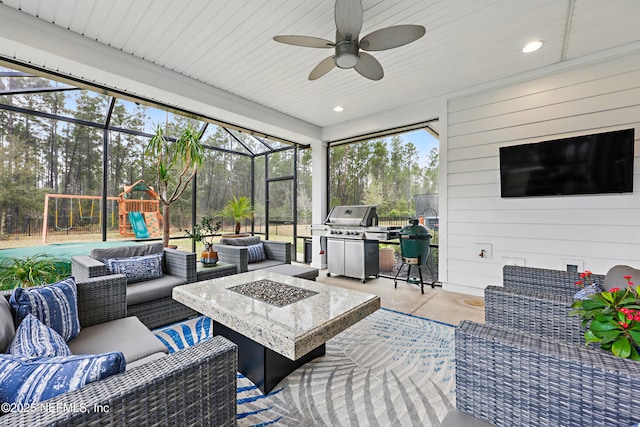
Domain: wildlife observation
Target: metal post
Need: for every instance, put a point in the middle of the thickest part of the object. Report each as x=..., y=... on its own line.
x=295, y=203
x=266, y=196
x=105, y=166
x=253, y=192
x=194, y=207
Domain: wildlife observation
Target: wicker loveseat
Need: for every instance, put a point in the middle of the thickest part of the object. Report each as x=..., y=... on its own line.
x=195, y=386
x=236, y=251
x=149, y=300
x=528, y=365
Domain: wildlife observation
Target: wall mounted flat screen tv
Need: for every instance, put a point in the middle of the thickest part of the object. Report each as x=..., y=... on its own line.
x=589, y=164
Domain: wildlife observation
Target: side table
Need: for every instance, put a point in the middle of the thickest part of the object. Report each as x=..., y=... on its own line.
x=219, y=270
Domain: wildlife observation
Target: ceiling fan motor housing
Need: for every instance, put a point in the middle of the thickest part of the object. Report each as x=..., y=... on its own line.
x=346, y=54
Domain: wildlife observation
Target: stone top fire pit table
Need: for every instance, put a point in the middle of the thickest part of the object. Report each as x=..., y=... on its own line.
x=279, y=322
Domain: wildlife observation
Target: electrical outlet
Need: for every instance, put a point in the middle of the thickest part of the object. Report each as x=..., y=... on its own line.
x=484, y=250
x=507, y=260
x=568, y=264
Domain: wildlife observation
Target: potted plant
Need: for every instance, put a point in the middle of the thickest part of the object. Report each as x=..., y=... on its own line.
x=32, y=271
x=176, y=163
x=612, y=318
x=238, y=208
x=205, y=232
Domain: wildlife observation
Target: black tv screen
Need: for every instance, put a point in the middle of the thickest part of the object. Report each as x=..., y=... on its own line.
x=589, y=164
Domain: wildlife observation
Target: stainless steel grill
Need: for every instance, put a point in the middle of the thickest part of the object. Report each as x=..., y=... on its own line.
x=352, y=234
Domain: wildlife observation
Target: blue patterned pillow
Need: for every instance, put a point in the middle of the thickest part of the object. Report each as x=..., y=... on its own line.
x=256, y=253
x=136, y=268
x=35, y=339
x=55, y=305
x=588, y=290
x=28, y=380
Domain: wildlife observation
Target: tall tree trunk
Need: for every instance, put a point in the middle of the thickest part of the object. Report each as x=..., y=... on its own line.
x=166, y=226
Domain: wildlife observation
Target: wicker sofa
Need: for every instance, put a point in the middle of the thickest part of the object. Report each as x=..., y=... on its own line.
x=149, y=300
x=235, y=251
x=528, y=365
x=195, y=386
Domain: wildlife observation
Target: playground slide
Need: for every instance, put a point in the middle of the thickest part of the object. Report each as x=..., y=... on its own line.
x=138, y=225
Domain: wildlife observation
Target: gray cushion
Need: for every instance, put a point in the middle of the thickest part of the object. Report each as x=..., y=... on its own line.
x=7, y=328
x=615, y=277
x=127, y=335
x=151, y=290
x=144, y=360
x=240, y=241
x=263, y=264
x=127, y=251
x=460, y=419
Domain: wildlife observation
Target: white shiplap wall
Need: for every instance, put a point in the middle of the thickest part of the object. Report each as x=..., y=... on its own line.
x=599, y=231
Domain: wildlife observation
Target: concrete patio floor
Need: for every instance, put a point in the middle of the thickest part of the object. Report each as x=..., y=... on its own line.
x=435, y=304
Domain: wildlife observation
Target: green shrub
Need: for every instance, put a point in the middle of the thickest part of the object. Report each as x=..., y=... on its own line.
x=32, y=271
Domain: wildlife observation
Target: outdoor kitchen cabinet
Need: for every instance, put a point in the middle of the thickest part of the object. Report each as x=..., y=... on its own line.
x=357, y=258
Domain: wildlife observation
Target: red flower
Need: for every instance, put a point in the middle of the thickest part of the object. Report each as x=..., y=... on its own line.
x=614, y=290
x=628, y=277
x=579, y=283
x=623, y=324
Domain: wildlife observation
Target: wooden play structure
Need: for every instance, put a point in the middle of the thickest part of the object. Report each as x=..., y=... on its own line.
x=139, y=210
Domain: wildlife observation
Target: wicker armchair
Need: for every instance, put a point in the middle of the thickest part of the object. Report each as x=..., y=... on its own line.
x=510, y=378
x=536, y=300
x=528, y=365
x=195, y=386
x=234, y=251
x=150, y=301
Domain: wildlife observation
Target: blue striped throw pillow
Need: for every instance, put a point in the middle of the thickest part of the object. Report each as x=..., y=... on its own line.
x=35, y=339
x=256, y=253
x=55, y=305
x=136, y=268
x=26, y=380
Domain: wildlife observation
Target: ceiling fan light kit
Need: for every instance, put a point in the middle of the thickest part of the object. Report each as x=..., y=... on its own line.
x=348, y=15
x=346, y=54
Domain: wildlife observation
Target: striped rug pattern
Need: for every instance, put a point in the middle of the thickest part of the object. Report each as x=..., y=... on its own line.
x=389, y=369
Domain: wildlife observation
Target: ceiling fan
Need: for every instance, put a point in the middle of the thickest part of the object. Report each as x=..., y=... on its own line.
x=348, y=48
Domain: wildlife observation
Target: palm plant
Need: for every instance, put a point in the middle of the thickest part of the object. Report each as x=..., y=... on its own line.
x=238, y=208
x=176, y=163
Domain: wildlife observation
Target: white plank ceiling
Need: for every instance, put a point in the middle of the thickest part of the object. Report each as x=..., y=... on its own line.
x=228, y=44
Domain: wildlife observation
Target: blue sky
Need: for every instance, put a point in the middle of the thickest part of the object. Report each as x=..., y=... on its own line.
x=423, y=141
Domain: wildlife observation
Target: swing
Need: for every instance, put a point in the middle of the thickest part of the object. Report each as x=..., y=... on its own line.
x=82, y=217
x=70, y=218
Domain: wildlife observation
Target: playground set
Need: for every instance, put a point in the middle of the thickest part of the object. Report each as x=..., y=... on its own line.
x=138, y=211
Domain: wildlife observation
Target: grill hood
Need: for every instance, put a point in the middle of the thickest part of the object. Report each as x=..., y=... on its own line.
x=354, y=216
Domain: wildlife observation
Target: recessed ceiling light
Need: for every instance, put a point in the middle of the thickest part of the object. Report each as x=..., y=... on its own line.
x=338, y=109
x=532, y=46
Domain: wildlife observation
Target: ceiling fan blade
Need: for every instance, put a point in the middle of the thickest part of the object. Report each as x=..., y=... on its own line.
x=390, y=37
x=369, y=67
x=348, y=16
x=322, y=68
x=304, y=41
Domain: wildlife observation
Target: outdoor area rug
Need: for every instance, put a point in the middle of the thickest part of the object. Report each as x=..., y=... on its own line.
x=390, y=368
